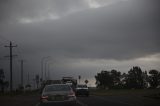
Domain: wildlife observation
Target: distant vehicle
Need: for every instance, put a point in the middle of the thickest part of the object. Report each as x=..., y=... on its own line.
x=58, y=94
x=82, y=90
x=70, y=81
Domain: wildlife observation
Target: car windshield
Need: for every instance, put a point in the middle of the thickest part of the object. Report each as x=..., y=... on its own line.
x=57, y=88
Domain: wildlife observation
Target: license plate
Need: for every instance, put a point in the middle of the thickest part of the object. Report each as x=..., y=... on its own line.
x=52, y=98
x=57, y=98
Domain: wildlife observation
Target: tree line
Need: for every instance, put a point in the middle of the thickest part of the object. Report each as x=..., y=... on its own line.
x=134, y=79
x=5, y=84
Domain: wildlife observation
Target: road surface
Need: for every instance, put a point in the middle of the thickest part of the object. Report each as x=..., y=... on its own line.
x=115, y=101
x=118, y=100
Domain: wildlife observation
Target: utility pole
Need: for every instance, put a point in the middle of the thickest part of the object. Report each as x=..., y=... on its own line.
x=48, y=74
x=28, y=78
x=45, y=69
x=11, y=56
x=42, y=66
x=22, y=61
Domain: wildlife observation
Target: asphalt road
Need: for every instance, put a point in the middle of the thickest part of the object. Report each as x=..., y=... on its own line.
x=122, y=100
x=100, y=101
x=116, y=101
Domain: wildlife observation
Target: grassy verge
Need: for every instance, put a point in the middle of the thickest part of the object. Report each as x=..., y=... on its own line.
x=138, y=92
x=24, y=93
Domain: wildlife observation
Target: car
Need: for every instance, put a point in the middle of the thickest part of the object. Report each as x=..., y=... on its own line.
x=57, y=94
x=82, y=90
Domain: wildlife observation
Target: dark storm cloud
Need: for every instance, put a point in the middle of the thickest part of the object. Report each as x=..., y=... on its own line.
x=124, y=30
x=12, y=10
x=116, y=34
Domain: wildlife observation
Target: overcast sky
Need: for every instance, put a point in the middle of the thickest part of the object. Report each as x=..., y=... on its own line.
x=82, y=37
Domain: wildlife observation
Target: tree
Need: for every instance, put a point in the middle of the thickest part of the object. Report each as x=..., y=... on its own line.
x=3, y=84
x=103, y=79
x=2, y=80
x=123, y=79
x=135, y=78
x=115, y=75
x=154, y=78
x=110, y=79
x=145, y=79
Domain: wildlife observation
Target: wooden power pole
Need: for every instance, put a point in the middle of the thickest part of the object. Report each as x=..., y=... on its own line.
x=11, y=56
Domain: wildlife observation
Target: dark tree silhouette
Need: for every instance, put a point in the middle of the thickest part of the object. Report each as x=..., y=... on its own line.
x=145, y=79
x=124, y=78
x=2, y=80
x=116, y=76
x=2, y=74
x=135, y=78
x=108, y=79
x=103, y=79
x=154, y=78
x=3, y=84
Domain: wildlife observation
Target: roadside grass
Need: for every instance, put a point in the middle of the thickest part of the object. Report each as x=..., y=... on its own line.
x=16, y=93
x=19, y=99
x=153, y=93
